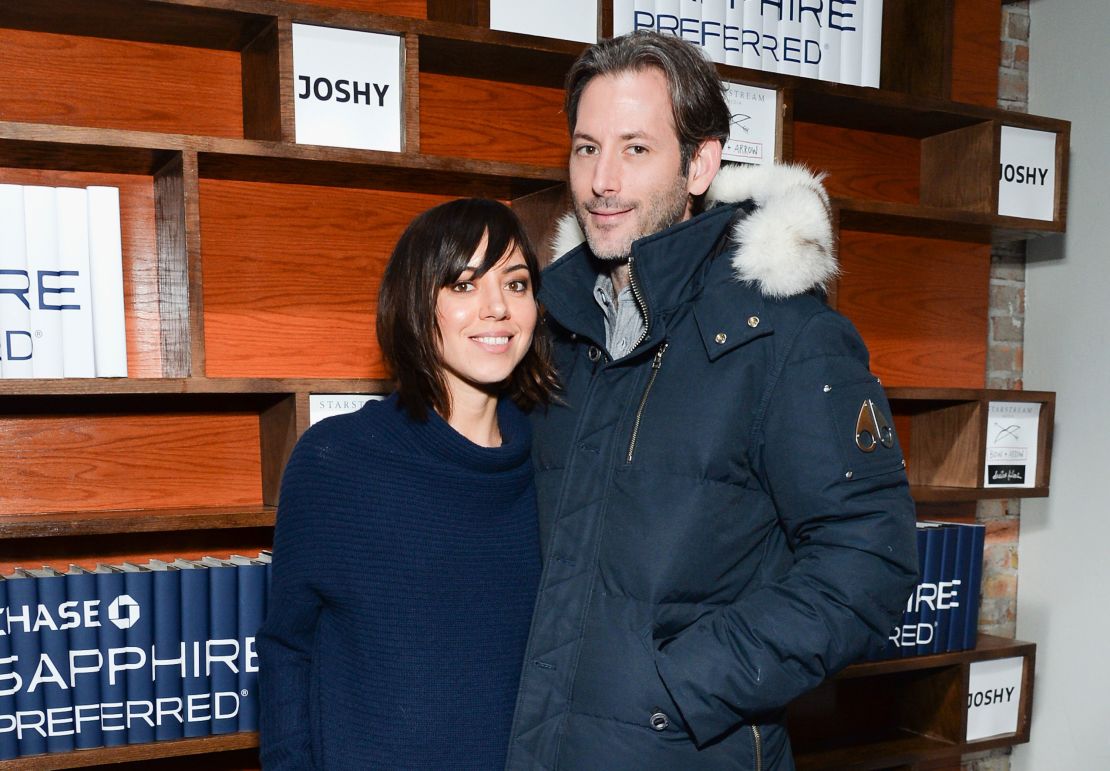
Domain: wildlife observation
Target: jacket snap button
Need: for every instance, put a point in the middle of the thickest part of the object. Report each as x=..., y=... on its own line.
x=659, y=721
x=753, y=321
x=594, y=353
x=721, y=338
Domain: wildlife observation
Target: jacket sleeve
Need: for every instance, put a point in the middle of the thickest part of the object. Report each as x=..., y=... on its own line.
x=286, y=640
x=849, y=518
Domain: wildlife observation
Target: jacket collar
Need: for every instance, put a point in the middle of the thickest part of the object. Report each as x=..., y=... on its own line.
x=782, y=247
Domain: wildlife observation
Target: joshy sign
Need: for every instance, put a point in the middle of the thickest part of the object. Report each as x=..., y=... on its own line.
x=1027, y=173
x=347, y=87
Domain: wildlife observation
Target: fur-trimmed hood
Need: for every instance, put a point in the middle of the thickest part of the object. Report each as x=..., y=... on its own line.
x=785, y=246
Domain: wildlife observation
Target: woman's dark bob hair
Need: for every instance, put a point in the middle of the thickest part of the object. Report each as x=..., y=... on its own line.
x=432, y=253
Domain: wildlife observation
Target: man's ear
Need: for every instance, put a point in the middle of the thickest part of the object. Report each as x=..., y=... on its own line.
x=703, y=167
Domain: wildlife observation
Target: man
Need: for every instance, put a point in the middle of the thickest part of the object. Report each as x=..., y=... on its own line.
x=724, y=514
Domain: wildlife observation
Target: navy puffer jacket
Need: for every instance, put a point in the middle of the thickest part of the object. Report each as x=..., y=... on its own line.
x=717, y=537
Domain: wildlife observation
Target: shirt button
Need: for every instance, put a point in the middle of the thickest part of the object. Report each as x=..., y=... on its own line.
x=659, y=721
x=594, y=353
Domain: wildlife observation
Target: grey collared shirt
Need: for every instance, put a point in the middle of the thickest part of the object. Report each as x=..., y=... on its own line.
x=624, y=324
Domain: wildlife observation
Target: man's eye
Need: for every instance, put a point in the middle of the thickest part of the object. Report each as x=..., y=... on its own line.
x=637, y=149
x=585, y=150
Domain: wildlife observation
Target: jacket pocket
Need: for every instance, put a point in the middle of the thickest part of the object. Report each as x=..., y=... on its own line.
x=864, y=428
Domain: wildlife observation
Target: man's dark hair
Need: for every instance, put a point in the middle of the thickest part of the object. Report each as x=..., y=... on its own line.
x=697, y=94
x=432, y=253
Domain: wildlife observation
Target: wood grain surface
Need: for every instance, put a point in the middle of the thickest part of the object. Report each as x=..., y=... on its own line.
x=861, y=164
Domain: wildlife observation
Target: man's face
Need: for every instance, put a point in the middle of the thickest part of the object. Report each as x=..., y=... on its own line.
x=625, y=164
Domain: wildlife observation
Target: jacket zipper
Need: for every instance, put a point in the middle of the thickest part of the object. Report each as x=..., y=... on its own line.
x=656, y=363
x=757, y=740
x=640, y=303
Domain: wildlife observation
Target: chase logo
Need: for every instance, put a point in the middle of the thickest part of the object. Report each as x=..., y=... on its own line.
x=123, y=612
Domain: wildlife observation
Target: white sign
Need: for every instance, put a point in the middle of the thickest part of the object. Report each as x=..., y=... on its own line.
x=1012, y=444
x=837, y=40
x=565, y=19
x=993, y=697
x=753, y=133
x=1027, y=173
x=322, y=406
x=347, y=88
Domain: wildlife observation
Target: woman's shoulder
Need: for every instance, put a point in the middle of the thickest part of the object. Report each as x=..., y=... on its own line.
x=350, y=434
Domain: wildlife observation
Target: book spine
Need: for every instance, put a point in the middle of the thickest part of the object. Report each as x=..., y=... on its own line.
x=195, y=686
x=831, y=44
x=84, y=650
x=925, y=605
x=790, y=40
x=26, y=649
x=139, y=635
x=252, y=612
x=851, y=42
x=872, y=44
x=9, y=741
x=56, y=697
x=947, y=592
x=958, y=628
x=224, y=641
x=732, y=33
x=811, y=42
x=16, y=341
x=751, y=39
x=106, y=260
x=168, y=654
x=113, y=683
x=41, y=217
x=73, y=261
x=975, y=577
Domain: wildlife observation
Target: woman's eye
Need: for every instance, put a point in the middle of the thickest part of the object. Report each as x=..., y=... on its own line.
x=462, y=286
x=519, y=285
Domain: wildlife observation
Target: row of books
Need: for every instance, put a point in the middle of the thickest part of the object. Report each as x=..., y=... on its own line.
x=837, y=42
x=942, y=612
x=128, y=654
x=61, y=283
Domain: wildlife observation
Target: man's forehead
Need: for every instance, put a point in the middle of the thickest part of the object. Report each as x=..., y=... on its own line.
x=637, y=102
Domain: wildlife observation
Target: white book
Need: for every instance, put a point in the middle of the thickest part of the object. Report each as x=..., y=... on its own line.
x=829, y=66
x=733, y=34
x=41, y=218
x=106, y=260
x=711, y=37
x=872, y=43
x=851, y=45
x=811, y=43
x=16, y=342
x=751, y=53
x=78, y=359
x=790, y=40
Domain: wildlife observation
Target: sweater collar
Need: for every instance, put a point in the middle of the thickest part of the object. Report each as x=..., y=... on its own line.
x=435, y=437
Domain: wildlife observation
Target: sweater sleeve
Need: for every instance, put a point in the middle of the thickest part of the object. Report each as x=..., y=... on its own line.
x=849, y=518
x=286, y=640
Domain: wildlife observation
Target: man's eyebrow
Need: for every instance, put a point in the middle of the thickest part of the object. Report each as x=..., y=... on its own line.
x=624, y=137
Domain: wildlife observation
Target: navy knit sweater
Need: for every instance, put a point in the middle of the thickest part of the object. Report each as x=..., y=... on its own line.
x=406, y=560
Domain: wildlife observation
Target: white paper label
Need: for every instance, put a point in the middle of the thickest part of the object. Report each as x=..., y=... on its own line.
x=347, y=88
x=322, y=406
x=1027, y=173
x=753, y=133
x=993, y=697
x=1012, y=444
x=811, y=39
x=564, y=19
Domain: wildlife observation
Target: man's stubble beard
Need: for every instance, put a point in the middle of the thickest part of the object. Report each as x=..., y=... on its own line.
x=659, y=213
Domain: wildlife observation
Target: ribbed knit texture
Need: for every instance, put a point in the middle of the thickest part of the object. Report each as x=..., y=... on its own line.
x=406, y=560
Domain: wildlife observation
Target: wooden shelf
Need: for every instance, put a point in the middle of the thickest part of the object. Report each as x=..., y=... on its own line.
x=82, y=523
x=133, y=752
x=191, y=385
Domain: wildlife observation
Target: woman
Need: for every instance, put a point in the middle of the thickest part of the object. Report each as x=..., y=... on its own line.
x=406, y=554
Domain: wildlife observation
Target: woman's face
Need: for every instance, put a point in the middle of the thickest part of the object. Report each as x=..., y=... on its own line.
x=485, y=324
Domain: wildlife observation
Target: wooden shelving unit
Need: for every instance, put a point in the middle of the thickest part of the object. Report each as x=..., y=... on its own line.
x=252, y=265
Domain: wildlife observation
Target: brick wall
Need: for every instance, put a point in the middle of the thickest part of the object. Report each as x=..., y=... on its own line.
x=997, y=613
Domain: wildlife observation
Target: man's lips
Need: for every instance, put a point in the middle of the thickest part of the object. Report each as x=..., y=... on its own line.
x=607, y=216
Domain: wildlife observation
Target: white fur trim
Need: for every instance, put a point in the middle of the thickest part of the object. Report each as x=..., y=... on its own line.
x=785, y=246
x=567, y=236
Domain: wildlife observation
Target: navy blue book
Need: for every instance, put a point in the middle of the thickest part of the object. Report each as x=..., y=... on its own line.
x=22, y=603
x=223, y=597
x=975, y=577
x=110, y=635
x=252, y=611
x=964, y=539
x=196, y=685
x=947, y=591
x=84, y=647
x=139, y=633
x=54, y=643
x=9, y=744
x=921, y=639
x=167, y=646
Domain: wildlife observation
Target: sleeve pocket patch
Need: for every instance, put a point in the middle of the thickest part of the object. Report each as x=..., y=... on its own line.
x=864, y=428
